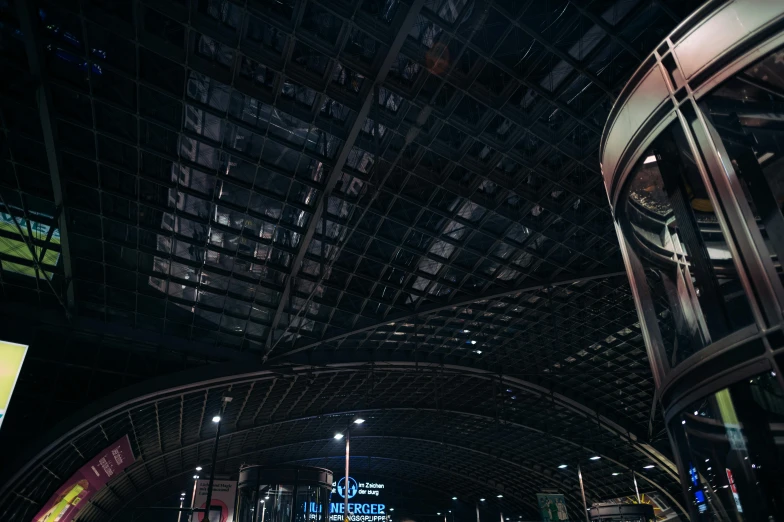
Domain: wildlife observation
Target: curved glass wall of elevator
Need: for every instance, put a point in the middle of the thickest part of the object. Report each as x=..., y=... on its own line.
x=693, y=162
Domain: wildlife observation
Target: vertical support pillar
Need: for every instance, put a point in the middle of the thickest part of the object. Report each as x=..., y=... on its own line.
x=582, y=490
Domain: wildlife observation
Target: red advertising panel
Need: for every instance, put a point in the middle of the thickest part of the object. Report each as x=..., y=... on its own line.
x=66, y=502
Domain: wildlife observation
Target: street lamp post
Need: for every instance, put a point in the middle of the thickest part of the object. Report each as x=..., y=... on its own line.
x=347, y=435
x=345, y=480
x=217, y=420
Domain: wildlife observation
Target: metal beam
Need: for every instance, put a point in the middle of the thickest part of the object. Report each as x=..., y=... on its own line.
x=535, y=285
x=337, y=169
x=29, y=25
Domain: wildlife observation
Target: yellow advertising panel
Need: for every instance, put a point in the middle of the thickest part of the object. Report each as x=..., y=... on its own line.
x=11, y=358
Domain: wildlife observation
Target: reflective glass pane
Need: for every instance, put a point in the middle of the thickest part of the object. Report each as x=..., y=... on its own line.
x=731, y=445
x=672, y=225
x=747, y=113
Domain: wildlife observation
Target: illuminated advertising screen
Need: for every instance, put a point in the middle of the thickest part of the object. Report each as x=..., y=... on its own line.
x=65, y=503
x=11, y=358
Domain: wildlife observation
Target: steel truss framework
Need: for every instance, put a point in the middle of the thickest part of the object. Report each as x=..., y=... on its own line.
x=467, y=433
x=321, y=182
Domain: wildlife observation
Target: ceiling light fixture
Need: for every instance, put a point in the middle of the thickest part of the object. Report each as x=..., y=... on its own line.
x=562, y=466
x=338, y=436
x=595, y=457
x=500, y=496
x=359, y=421
x=454, y=498
x=649, y=466
x=616, y=474
x=216, y=418
x=195, y=476
x=198, y=468
x=481, y=500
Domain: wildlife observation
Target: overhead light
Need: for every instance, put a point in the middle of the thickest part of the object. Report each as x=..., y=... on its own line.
x=182, y=494
x=198, y=468
x=707, y=460
x=216, y=418
x=266, y=498
x=438, y=513
x=500, y=496
x=478, y=352
x=696, y=412
x=709, y=468
x=649, y=466
x=338, y=436
x=649, y=159
x=391, y=509
x=683, y=422
x=450, y=510
x=616, y=474
x=195, y=476
x=473, y=342
x=481, y=500
x=595, y=457
x=466, y=331
x=454, y=498
x=562, y=466
x=359, y=421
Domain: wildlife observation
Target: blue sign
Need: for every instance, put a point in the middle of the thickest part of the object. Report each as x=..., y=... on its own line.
x=365, y=506
x=352, y=487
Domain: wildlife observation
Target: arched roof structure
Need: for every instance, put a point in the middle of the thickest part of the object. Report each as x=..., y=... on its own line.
x=321, y=208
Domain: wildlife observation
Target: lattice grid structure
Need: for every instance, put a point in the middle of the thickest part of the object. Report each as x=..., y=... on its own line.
x=311, y=182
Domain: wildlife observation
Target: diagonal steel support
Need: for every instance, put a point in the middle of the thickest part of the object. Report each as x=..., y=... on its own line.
x=337, y=170
x=29, y=25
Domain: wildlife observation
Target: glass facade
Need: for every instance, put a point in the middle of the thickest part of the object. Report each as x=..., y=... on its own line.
x=693, y=161
x=287, y=494
x=731, y=444
x=688, y=266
